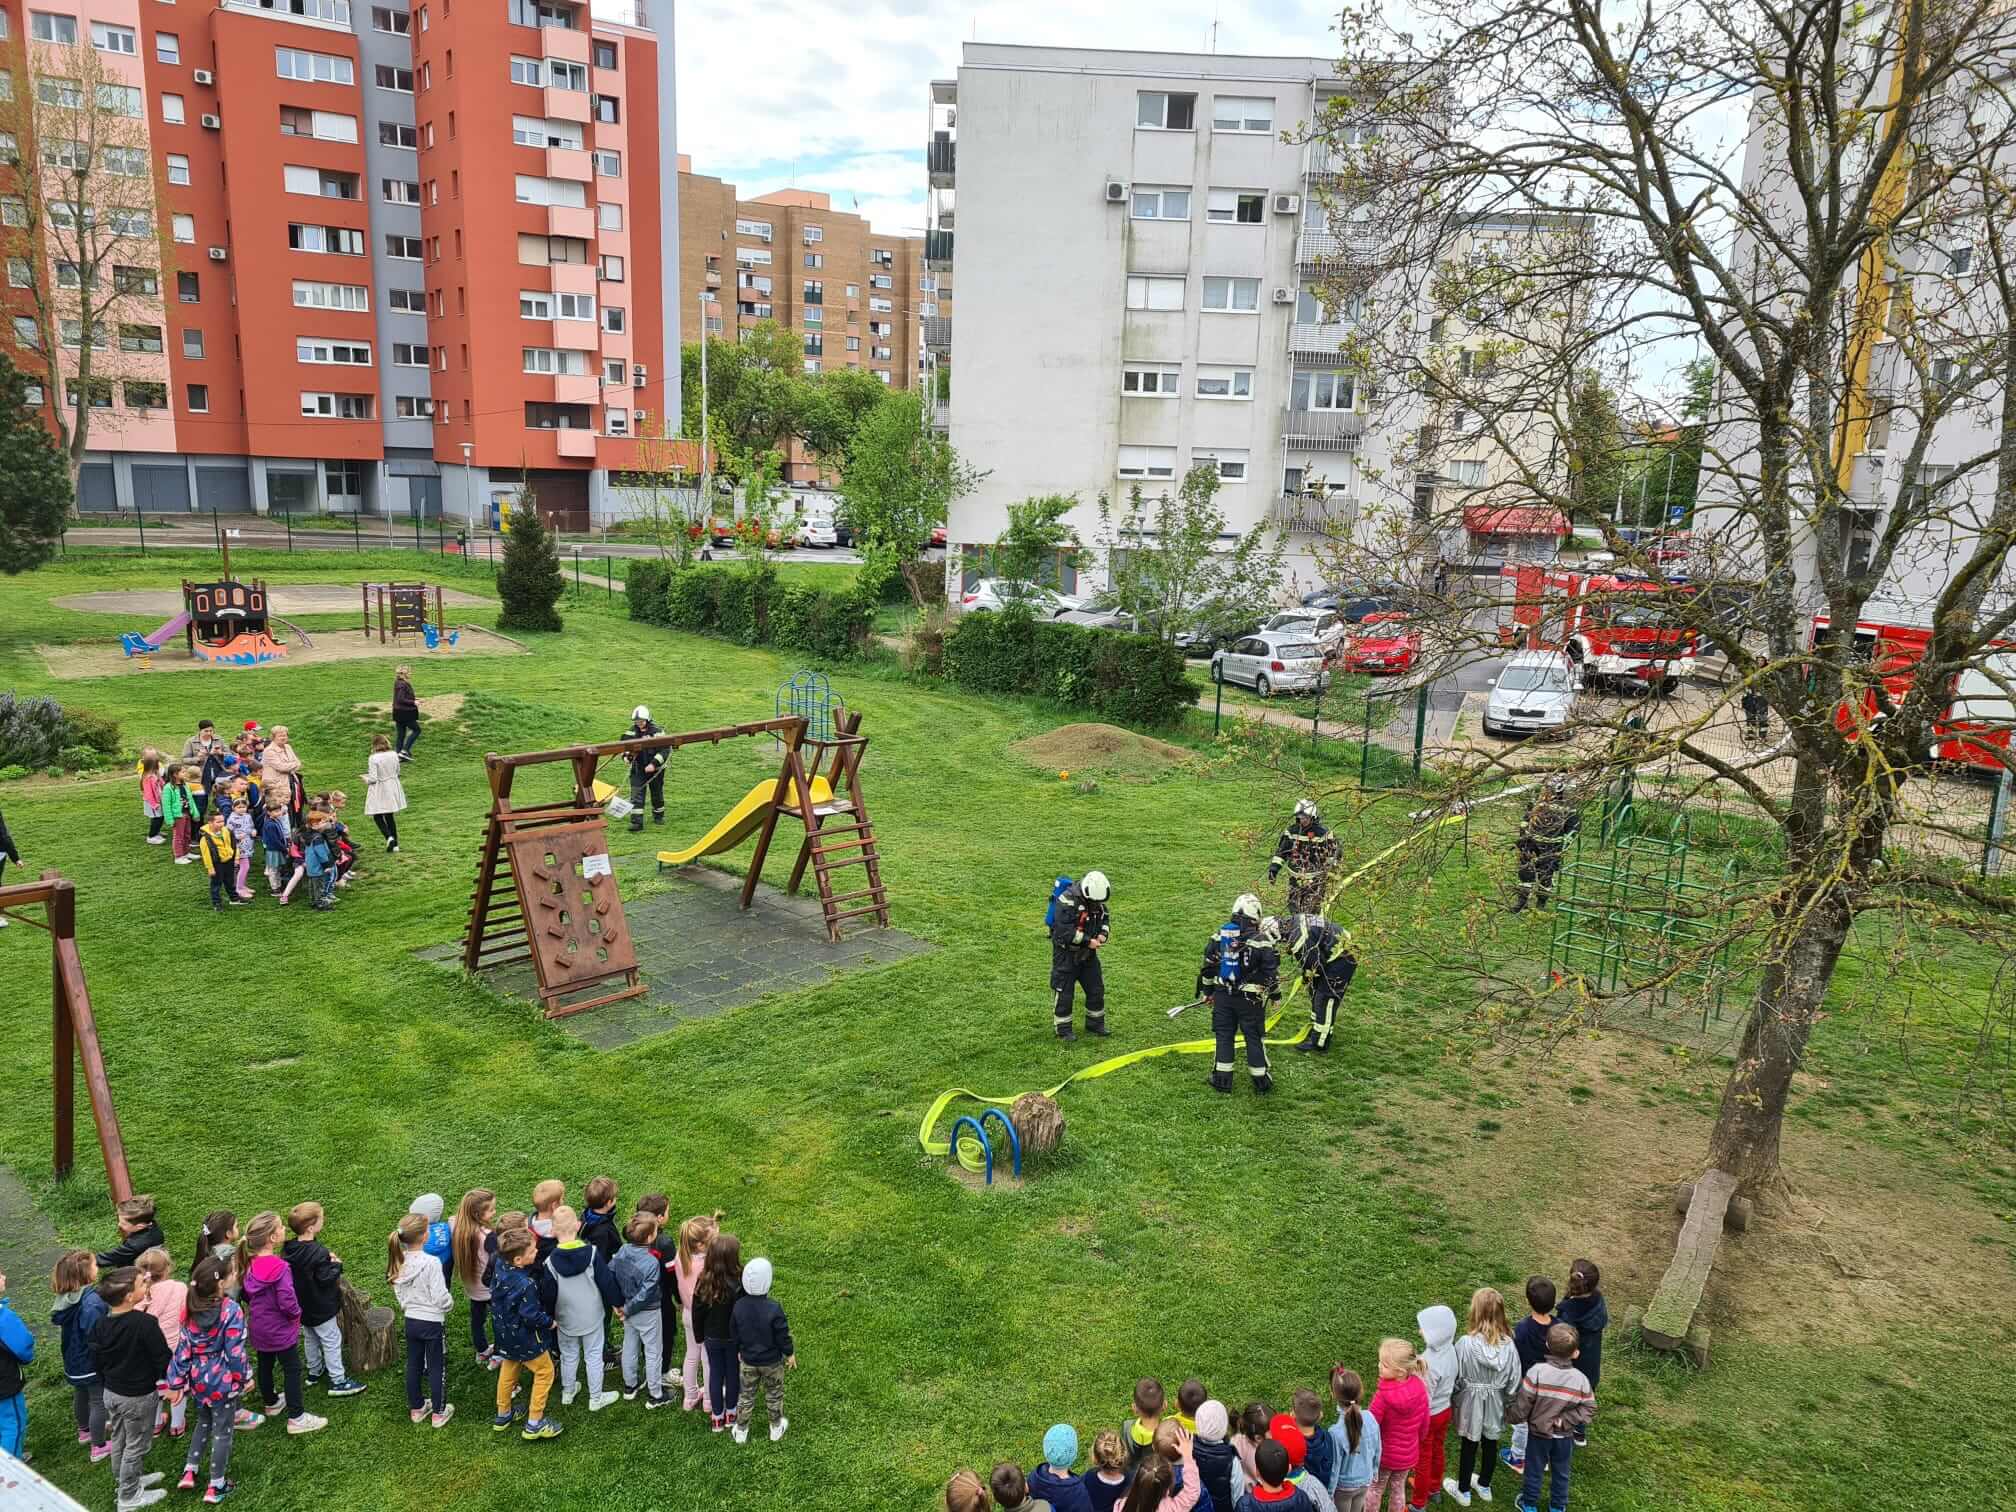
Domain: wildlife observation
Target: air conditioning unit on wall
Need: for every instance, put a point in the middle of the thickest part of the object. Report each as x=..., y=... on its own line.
x=1284, y=296
x=1116, y=192
x=212, y=122
x=203, y=76
x=218, y=254
x=1287, y=204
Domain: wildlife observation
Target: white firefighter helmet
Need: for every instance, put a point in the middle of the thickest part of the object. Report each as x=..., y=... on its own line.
x=1270, y=930
x=640, y=712
x=1094, y=887
x=1246, y=906
x=1305, y=808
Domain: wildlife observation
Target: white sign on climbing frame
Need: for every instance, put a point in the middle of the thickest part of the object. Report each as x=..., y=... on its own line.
x=597, y=866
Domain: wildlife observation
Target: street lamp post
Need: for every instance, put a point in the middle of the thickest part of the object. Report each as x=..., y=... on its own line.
x=706, y=435
x=468, y=485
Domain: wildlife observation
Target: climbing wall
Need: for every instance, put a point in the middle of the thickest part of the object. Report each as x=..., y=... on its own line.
x=573, y=914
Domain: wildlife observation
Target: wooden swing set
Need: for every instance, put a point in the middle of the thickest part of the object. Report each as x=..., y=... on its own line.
x=545, y=890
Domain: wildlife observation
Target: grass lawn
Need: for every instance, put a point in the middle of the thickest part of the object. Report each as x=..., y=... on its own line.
x=266, y=1056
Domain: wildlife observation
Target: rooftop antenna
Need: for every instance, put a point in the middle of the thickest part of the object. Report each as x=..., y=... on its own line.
x=1214, y=29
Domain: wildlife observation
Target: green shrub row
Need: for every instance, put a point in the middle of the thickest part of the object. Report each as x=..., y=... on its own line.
x=753, y=608
x=1128, y=679
x=41, y=733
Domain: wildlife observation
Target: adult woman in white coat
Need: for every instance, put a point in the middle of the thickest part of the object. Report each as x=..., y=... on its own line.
x=384, y=796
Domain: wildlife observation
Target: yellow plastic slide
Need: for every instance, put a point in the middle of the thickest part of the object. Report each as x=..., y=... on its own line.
x=740, y=822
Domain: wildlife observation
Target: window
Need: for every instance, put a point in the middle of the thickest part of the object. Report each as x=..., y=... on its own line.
x=323, y=183
x=560, y=74
x=312, y=349
x=1166, y=112
x=123, y=162
x=532, y=190
x=1147, y=461
x=406, y=248
x=815, y=260
x=1469, y=474
x=1946, y=373
x=343, y=479
x=140, y=338
x=1239, y=295
x=1243, y=207
x=1242, y=113
x=178, y=168
x=173, y=109
x=167, y=47
x=1923, y=489
x=409, y=354
x=1224, y=383
x=143, y=281
x=398, y=80
x=881, y=257
x=400, y=191
x=755, y=228
x=559, y=360
x=71, y=333
x=612, y=269
x=44, y=27
x=538, y=13
x=183, y=227
x=608, y=110
x=1160, y=382
x=100, y=393
x=881, y=281
x=538, y=251
x=338, y=239
x=397, y=134
x=612, y=319
x=10, y=151
x=1161, y=204
x=199, y=398
x=573, y=306
x=192, y=345
x=121, y=99
x=20, y=274
x=27, y=334
x=1322, y=391
x=531, y=131
x=314, y=67
x=413, y=407
x=853, y=343
x=407, y=301
x=64, y=94
x=1960, y=260
x=528, y=71
x=323, y=125
x=605, y=54
x=535, y=304
x=1231, y=465
x=188, y=288
x=608, y=164
x=331, y=296
x=1146, y=293
x=336, y=406
x=609, y=216
x=853, y=291
x=33, y=395
x=385, y=19
x=1361, y=135
x=337, y=11
x=881, y=306
x=114, y=39
x=815, y=343
x=814, y=315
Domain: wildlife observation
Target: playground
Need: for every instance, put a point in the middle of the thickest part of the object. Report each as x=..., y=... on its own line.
x=781, y=1077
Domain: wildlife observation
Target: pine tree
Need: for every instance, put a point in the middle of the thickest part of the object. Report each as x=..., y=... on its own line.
x=34, y=482
x=529, y=580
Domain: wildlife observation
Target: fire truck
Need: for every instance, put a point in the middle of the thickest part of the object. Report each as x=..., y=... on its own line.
x=1974, y=724
x=1613, y=627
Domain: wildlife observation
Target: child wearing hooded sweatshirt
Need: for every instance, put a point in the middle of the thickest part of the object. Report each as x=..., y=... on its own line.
x=416, y=1280
x=273, y=1313
x=1053, y=1480
x=1487, y=1374
x=17, y=1350
x=1585, y=1311
x=585, y=1291
x=1214, y=1453
x=763, y=1343
x=640, y=1283
x=440, y=1233
x=1354, y=1443
x=1400, y=1407
x=318, y=1284
x=209, y=1367
x=138, y=1233
x=524, y=1333
x=76, y=1313
x=1438, y=1364
x=598, y=1221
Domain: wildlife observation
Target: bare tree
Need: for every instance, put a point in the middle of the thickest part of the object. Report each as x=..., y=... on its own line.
x=82, y=239
x=673, y=512
x=1817, y=197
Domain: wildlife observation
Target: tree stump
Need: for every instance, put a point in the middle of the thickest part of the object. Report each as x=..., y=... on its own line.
x=1039, y=1123
x=368, y=1340
x=1669, y=1319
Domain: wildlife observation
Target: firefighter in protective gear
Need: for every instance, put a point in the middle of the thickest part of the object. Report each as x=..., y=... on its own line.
x=1543, y=835
x=1078, y=932
x=647, y=770
x=1308, y=850
x=1323, y=952
x=1241, y=976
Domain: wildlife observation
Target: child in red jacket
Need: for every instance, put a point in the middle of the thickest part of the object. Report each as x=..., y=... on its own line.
x=1400, y=1407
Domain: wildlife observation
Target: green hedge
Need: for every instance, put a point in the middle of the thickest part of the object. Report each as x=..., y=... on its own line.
x=1130, y=679
x=755, y=609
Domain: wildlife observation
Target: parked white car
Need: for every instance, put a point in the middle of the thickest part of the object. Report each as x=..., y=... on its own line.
x=1270, y=662
x=998, y=593
x=1534, y=694
x=1326, y=627
x=817, y=532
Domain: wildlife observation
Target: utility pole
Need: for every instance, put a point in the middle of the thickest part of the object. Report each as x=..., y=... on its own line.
x=706, y=476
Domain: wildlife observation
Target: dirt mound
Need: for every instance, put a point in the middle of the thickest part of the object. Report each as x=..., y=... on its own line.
x=439, y=706
x=1105, y=749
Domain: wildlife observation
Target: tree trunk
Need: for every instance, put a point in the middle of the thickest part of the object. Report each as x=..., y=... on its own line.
x=1783, y=1012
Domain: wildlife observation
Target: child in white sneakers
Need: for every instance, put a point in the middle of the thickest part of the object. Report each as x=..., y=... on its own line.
x=763, y=1341
x=585, y=1291
x=416, y=1280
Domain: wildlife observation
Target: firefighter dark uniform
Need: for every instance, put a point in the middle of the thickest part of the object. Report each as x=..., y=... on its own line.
x=1240, y=976
x=1308, y=850
x=1323, y=952
x=1543, y=836
x=1078, y=929
x=647, y=770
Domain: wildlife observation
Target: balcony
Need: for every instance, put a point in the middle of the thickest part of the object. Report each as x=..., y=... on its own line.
x=1308, y=515
x=1319, y=343
x=1865, y=483
x=564, y=42
x=568, y=163
x=577, y=388
x=1322, y=430
x=938, y=251
x=569, y=105
x=941, y=157
x=573, y=441
x=573, y=278
x=938, y=333
x=1323, y=249
x=713, y=276
x=570, y=220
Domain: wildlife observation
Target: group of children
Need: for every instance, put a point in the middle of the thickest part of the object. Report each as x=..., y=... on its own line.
x=222, y=805
x=148, y=1355
x=1385, y=1455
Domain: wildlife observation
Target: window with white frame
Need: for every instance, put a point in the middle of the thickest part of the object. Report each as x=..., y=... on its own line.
x=755, y=228
x=613, y=319
x=615, y=372
x=1154, y=203
x=174, y=110
x=1242, y=207
x=323, y=125
x=324, y=183
x=123, y=162
x=167, y=47
x=397, y=80
x=399, y=191
x=611, y=270
x=20, y=275
x=1158, y=382
x=1147, y=292
x=44, y=26
x=1322, y=391
x=570, y=193
x=815, y=315
x=412, y=407
x=115, y=39
x=409, y=354
x=561, y=74
x=1468, y=473
x=608, y=164
x=535, y=304
x=752, y=257
x=1147, y=461
x=1242, y=113
x=617, y=421
x=183, y=227
x=398, y=134
x=573, y=306
x=563, y=361
x=1238, y=295
x=310, y=295
x=405, y=248
x=530, y=71
x=178, y=168
x=1161, y=111
x=1231, y=465
x=322, y=352
x=1224, y=383
x=192, y=345
x=535, y=131
x=608, y=215
x=385, y=19
x=336, y=406
x=314, y=67
x=882, y=306
x=27, y=334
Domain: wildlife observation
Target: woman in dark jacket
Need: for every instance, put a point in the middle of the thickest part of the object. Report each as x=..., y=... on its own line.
x=405, y=714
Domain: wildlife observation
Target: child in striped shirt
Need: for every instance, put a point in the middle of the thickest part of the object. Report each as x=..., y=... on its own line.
x=1554, y=1400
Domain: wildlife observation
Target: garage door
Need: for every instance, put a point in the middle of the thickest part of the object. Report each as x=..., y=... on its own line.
x=159, y=489
x=95, y=488
x=228, y=490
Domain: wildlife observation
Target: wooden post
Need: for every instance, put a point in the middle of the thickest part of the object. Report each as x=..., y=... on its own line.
x=440, y=616
x=381, y=616
x=785, y=773
x=364, y=599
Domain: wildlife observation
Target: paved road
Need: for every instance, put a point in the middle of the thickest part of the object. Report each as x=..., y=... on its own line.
x=264, y=534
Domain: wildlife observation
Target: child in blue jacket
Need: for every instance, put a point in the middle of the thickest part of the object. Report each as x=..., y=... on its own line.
x=17, y=1349
x=523, y=1327
x=77, y=1311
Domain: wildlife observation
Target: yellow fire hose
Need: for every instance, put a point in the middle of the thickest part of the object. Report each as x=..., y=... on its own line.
x=969, y=1152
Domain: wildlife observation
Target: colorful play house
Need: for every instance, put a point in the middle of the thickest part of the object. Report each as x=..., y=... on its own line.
x=227, y=623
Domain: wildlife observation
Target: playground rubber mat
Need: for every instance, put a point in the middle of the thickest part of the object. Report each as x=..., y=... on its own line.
x=106, y=659
x=281, y=598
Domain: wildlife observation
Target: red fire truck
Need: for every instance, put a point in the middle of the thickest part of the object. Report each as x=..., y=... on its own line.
x=1613, y=627
x=1975, y=723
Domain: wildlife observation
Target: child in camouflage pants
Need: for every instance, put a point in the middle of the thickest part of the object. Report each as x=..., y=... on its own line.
x=763, y=1340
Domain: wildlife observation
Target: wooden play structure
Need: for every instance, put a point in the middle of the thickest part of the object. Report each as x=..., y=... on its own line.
x=1711, y=1205
x=395, y=610
x=545, y=890
x=74, y=1031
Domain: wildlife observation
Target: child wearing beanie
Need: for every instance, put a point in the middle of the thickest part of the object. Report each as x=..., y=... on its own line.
x=1214, y=1453
x=1052, y=1481
x=440, y=1240
x=762, y=1338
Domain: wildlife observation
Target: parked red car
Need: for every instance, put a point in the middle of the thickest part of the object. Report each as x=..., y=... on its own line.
x=937, y=535
x=1382, y=643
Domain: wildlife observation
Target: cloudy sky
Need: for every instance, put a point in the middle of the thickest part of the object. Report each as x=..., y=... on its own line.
x=831, y=94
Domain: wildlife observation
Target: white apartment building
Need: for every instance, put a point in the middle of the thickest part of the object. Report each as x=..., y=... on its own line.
x=1132, y=235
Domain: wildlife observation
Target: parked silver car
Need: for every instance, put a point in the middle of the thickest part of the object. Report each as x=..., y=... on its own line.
x=1270, y=663
x=998, y=593
x=1533, y=694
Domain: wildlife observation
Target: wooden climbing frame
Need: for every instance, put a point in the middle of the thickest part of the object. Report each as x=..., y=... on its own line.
x=74, y=1032
x=514, y=915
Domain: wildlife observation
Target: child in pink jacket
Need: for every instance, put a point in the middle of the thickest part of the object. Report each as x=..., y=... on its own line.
x=273, y=1319
x=1400, y=1407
